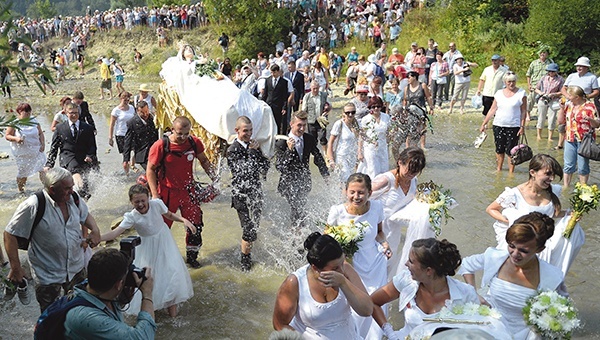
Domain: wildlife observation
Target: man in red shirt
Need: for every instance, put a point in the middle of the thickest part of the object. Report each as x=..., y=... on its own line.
x=170, y=174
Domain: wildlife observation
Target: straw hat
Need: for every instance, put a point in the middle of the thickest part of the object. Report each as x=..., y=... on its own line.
x=145, y=88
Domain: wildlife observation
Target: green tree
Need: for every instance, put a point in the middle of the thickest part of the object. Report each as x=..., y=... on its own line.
x=41, y=9
x=569, y=27
x=159, y=3
x=252, y=25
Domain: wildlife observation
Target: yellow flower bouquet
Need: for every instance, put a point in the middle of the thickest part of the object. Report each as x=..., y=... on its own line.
x=584, y=199
x=347, y=236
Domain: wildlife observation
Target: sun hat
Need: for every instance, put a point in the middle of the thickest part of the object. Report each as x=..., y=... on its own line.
x=552, y=67
x=394, y=50
x=372, y=58
x=106, y=61
x=111, y=60
x=145, y=88
x=459, y=56
x=362, y=89
x=583, y=61
x=496, y=57
x=414, y=44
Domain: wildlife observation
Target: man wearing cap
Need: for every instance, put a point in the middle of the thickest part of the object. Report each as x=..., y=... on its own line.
x=396, y=57
x=548, y=88
x=583, y=78
x=450, y=58
x=410, y=55
x=535, y=72
x=106, y=83
x=490, y=82
x=144, y=95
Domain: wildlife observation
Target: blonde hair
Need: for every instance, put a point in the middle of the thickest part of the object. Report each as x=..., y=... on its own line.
x=575, y=90
x=510, y=76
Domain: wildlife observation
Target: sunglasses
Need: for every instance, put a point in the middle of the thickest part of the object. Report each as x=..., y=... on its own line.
x=349, y=113
x=362, y=94
x=375, y=107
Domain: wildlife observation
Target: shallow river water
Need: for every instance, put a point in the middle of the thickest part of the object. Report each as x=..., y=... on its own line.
x=229, y=304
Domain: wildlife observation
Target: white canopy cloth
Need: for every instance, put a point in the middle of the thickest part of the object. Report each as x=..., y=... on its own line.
x=216, y=104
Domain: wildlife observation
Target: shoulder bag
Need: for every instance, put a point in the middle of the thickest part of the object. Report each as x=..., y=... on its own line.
x=522, y=152
x=588, y=147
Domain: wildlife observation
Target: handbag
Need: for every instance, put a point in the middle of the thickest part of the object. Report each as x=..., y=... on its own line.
x=441, y=80
x=522, y=152
x=588, y=147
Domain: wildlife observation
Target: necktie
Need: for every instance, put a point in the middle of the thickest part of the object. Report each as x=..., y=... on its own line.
x=300, y=146
x=275, y=82
x=74, y=131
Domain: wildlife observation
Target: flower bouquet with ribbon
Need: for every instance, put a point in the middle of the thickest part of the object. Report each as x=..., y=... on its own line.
x=209, y=68
x=347, y=236
x=551, y=315
x=584, y=199
x=440, y=202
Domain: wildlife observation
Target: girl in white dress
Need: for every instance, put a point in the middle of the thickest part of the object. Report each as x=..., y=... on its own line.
x=372, y=144
x=317, y=299
x=373, y=251
x=516, y=273
x=27, y=146
x=538, y=194
x=396, y=189
x=343, y=155
x=61, y=116
x=424, y=287
x=158, y=250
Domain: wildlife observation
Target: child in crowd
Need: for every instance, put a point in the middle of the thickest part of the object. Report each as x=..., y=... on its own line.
x=158, y=250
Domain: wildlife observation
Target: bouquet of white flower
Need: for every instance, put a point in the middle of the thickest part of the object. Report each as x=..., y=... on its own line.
x=552, y=316
x=347, y=236
x=468, y=309
x=440, y=202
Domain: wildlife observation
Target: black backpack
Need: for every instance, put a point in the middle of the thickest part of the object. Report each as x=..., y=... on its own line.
x=51, y=324
x=167, y=149
x=22, y=242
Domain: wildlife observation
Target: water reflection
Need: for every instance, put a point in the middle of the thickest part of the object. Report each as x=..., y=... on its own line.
x=229, y=304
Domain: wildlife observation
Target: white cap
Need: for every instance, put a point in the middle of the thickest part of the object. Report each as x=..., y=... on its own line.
x=583, y=61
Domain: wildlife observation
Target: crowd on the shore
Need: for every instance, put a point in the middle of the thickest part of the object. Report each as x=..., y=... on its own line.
x=393, y=95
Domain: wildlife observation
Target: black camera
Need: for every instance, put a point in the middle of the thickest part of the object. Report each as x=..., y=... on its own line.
x=127, y=247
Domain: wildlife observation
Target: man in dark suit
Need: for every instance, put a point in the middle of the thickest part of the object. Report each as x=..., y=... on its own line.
x=248, y=165
x=293, y=158
x=77, y=145
x=297, y=79
x=278, y=93
x=141, y=134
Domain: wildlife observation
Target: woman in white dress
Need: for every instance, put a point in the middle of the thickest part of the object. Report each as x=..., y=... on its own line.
x=27, y=146
x=538, y=194
x=342, y=148
x=372, y=144
x=424, y=287
x=61, y=116
x=373, y=251
x=317, y=299
x=119, y=117
x=513, y=275
x=158, y=250
x=396, y=189
x=319, y=73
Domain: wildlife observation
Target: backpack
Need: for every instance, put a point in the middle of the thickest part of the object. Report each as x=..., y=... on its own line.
x=22, y=242
x=379, y=72
x=51, y=324
x=167, y=150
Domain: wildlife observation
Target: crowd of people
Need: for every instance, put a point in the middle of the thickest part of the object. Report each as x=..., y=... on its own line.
x=328, y=297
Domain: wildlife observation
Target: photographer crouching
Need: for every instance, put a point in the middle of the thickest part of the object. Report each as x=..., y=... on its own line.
x=109, y=287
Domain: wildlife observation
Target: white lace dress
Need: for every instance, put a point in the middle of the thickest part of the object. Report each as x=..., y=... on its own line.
x=375, y=147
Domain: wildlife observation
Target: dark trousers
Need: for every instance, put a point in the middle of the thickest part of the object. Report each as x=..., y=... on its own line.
x=280, y=120
x=46, y=294
x=487, y=104
x=449, y=87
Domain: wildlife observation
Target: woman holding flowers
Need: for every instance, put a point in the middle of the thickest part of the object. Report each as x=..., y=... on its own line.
x=538, y=194
x=372, y=144
x=424, y=287
x=513, y=275
x=580, y=115
x=317, y=299
x=373, y=251
x=395, y=189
